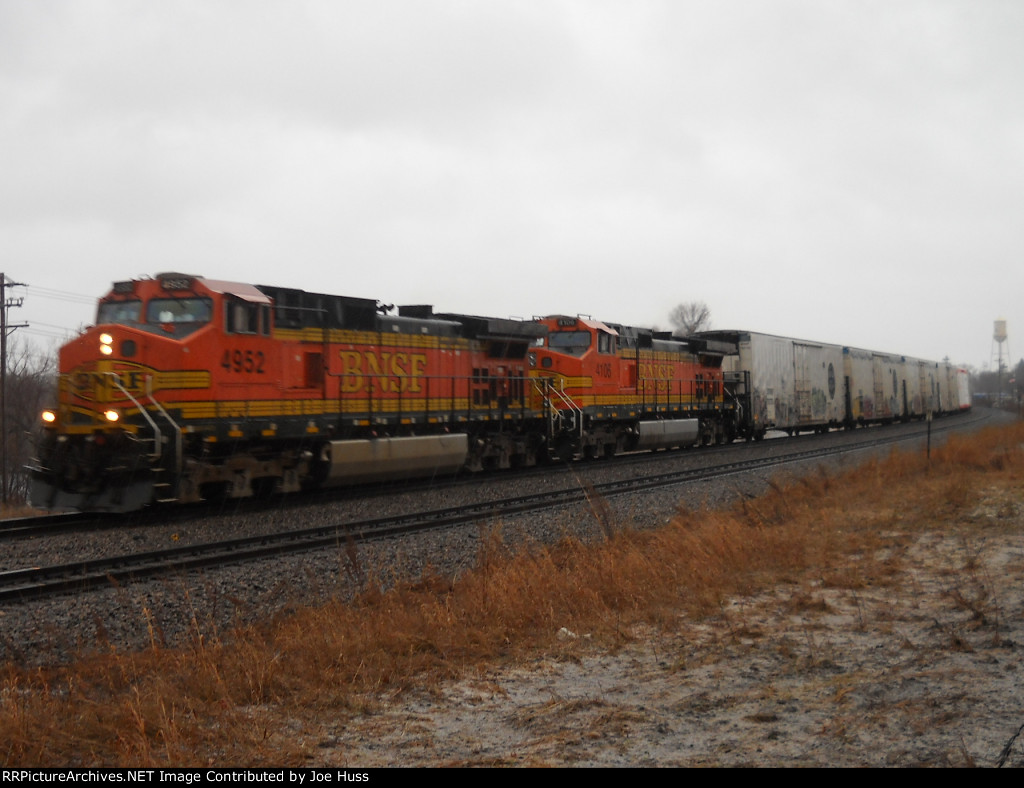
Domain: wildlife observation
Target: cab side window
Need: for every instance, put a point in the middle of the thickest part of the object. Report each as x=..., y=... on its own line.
x=242, y=317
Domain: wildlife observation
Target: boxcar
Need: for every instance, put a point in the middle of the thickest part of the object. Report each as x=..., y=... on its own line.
x=792, y=385
x=875, y=385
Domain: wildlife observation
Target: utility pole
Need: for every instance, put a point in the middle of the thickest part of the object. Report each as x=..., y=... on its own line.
x=5, y=328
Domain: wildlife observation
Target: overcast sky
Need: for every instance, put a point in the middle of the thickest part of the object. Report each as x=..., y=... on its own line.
x=842, y=171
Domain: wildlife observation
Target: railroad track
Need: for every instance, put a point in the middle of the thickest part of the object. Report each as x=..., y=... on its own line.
x=37, y=582
x=54, y=524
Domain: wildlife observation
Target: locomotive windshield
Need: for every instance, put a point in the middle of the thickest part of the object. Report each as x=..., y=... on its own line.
x=123, y=312
x=574, y=343
x=179, y=316
x=179, y=310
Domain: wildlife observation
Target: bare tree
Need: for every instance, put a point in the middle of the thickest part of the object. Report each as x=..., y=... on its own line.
x=690, y=317
x=31, y=379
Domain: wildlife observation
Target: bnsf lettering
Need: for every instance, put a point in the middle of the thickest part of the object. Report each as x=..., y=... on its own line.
x=394, y=372
x=85, y=383
x=243, y=361
x=656, y=371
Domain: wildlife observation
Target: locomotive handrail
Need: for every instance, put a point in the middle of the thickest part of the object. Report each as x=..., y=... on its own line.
x=157, y=435
x=177, y=429
x=543, y=385
x=550, y=411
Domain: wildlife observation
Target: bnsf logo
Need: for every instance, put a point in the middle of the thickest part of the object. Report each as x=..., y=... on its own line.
x=389, y=372
x=656, y=371
x=91, y=384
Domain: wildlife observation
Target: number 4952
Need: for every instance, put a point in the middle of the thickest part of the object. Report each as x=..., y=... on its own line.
x=243, y=361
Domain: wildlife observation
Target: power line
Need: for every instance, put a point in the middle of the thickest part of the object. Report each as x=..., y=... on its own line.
x=64, y=333
x=49, y=330
x=59, y=295
x=54, y=326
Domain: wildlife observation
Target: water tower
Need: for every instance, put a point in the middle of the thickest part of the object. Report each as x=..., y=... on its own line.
x=1000, y=351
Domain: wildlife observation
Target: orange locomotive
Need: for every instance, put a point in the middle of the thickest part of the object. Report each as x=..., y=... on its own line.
x=189, y=387
x=618, y=388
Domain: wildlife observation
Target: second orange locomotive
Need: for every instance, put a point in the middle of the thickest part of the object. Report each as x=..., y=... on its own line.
x=613, y=388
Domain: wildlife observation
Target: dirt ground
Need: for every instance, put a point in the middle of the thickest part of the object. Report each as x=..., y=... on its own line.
x=925, y=671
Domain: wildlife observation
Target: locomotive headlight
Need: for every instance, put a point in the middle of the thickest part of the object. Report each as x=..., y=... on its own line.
x=112, y=415
x=106, y=342
x=49, y=417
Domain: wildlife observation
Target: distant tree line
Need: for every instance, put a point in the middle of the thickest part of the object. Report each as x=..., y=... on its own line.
x=999, y=387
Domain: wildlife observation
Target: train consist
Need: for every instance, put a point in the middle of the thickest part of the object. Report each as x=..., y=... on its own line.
x=189, y=388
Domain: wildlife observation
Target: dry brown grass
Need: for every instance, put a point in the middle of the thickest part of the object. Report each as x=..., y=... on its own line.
x=219, y=701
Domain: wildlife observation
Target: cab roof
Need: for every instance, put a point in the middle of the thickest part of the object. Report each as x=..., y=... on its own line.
x=563, y=321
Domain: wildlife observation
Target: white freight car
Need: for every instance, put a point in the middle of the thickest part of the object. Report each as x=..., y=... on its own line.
x=915, y=403
x=963, y=389
x=792, y=384
x=873, y=382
